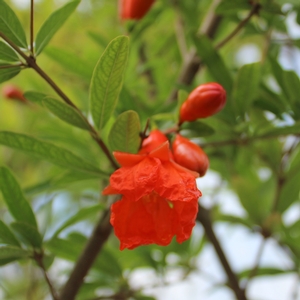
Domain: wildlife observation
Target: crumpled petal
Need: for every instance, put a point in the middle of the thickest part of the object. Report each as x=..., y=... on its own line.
x=152, y=219
x=138, y=180
x=176, y=184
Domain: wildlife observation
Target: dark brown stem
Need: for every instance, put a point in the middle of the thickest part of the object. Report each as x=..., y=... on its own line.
x=31, y=26
x=204, y=218
x=39, y=259
x=85, y=261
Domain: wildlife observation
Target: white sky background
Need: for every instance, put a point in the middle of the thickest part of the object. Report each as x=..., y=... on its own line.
x=239, y=244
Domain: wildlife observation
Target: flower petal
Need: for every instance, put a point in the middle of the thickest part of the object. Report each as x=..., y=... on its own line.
x=176, y=184
x=127, y=159
x=137, y=180
x=162, y=152
x=152, y=220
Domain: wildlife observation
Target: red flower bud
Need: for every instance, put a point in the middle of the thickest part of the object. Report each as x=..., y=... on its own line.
x=189, y=155
x=154, y=140
x=134, y=9
x=12, y=92
x=204, y=101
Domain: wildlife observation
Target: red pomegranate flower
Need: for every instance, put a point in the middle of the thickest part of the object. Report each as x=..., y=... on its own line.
x=159, y=199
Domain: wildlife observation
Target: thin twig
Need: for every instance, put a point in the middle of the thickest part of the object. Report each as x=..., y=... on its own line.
x=85, y=261
x=11, y=66
x=204, y=218
x=31, y=27
x=255, y=9
x=39, y=259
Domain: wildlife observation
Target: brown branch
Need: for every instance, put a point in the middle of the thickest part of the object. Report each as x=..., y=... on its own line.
x=204, y=218
x=85, y=261
x=31, y=26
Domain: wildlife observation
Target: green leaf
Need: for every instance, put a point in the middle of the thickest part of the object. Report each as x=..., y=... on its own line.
x=181, y=97
x=65, y=249
x=28, y=233
x=14, y=253
x=7, y=53
x=52, y=24
x=8, y=73
x=10, y=26
x=107, y=80
x=125, y=133
x=213, y=61
x=79, y=216
x=264, y=272
x=47, y=151
x=65, y=112
x=246, y=87
x=292, y=89
x=196, y=129
x=71, y=62
x=6, y=236
x=235, y=220
x=35, y=97
x=14, y=198
x=290, y=192
x=280, y=131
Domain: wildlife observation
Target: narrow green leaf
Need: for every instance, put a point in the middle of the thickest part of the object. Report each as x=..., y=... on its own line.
x=11, y=252
x=35, y=97
x=264, y=272
x=47, y=151
x=10, y=25
x=79, y=216
x=8, y=73
x=14, y=198
x=63, y=248
x=281, y=131
x=290, y=192
x=125, y=133
x=107, y=80
x=7, y=53
x=71, y=62
x=52, y=24
x=28, y=233
x=6, y=236
x=246, y=87
x=292, y=89
x=196, y=129
x=181, y=97
x=65, y=112
x=213, y=61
